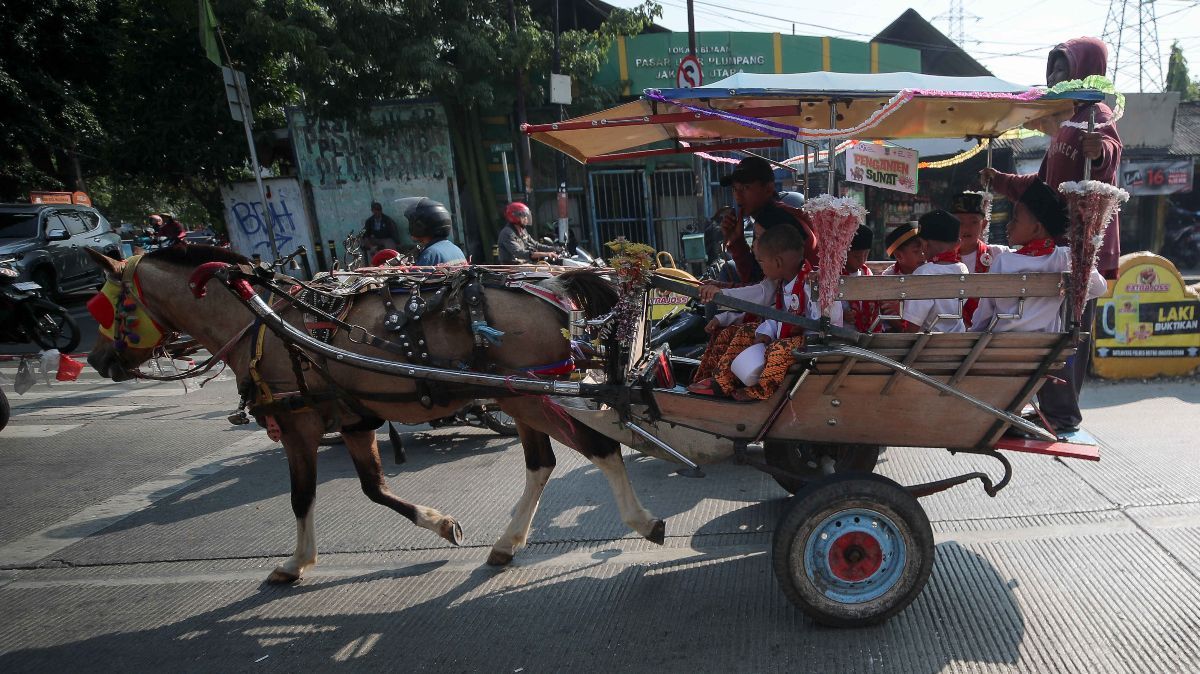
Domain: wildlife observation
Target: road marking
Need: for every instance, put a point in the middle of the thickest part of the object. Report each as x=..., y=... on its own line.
x=33, y=396
x=50, y=540
x=36, y=430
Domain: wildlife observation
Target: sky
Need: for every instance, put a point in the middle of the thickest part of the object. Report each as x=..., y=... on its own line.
x=1011, y=38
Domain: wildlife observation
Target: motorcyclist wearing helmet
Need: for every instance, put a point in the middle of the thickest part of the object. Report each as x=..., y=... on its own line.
x=516, y=245
x=430, y=224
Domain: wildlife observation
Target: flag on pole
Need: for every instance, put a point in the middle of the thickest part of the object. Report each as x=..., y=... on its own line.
x=208, y=33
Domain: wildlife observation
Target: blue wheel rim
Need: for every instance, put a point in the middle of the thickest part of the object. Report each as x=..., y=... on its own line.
x=833, y=533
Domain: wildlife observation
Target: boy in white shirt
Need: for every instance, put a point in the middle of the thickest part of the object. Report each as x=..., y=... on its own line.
x=939, y=232
x=1039, y=217
x=977, y=254
x=780, y=253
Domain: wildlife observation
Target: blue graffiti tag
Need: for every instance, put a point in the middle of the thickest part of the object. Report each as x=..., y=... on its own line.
x=250, y=220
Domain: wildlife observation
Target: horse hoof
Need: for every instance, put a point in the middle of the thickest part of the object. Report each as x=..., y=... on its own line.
x=658, y=533
x=497, y=558
x=280, y=576
x=451, y=531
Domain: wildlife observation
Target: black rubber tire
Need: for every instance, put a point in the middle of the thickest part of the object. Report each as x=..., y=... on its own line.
x=44, y=276
x=497, y=420
x=67, y=336
x=5, y=410
x=793, y=457
x=825, y=498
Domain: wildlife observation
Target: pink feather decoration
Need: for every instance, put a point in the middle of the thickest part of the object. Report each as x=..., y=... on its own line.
x=1092, y=205
x=835, y=220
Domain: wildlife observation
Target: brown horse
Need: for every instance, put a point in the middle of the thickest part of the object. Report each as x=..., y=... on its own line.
x=158, y=284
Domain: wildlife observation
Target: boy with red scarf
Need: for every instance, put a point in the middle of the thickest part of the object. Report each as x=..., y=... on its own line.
x=1039, y=217
x=974, y=250
x=780, y=253
x=939, y=234
x=861, y=313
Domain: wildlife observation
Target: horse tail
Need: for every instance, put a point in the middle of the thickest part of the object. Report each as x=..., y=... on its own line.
x=594, y=294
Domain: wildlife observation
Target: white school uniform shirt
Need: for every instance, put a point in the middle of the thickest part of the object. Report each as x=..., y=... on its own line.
x=994, y=248
x=1040, y=314
x=918, y=312
x=791, y=302
x=762, y=292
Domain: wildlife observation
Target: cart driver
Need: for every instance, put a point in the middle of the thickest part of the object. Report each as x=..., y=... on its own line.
x=516, y=245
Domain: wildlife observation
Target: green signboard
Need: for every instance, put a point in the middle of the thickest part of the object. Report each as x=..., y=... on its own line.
x=650, y=60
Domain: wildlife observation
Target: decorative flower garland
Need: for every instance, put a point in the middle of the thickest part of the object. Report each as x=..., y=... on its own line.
x=782, y=130
x=633, y=263
x=836, y=220
x=1092, y=204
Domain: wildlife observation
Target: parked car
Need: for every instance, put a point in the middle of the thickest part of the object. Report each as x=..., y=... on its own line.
x=48, y=242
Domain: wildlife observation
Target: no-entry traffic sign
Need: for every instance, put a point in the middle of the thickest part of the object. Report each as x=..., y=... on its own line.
x=689, y=74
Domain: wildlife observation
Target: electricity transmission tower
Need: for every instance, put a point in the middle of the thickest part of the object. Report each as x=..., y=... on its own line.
x=957, y=18
x=1131, y=33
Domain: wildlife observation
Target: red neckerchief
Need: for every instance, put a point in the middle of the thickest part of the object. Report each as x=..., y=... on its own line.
x=798, y=288
x=983, y=263
x=1037, y=248
x=948, y=256
x=865, y=311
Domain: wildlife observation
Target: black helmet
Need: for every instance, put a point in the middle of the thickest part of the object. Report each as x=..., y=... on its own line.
x=426, y=217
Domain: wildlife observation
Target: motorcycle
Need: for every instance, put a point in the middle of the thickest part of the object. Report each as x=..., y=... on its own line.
x=1182, y=244
x=26, y=315
x=478, y=414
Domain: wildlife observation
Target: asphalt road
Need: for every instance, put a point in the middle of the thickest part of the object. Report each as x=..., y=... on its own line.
x=137, y=526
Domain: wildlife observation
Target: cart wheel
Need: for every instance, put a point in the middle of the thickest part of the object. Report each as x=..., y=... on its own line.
x=853, y=550
x=804, y=460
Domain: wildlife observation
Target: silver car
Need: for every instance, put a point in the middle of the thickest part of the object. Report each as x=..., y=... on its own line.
x=49, y=240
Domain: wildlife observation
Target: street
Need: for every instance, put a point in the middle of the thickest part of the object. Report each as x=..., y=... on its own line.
x=138, y=526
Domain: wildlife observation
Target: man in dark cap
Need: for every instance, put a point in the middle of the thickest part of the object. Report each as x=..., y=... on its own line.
x=1039, y=219
x=939, y=231
x=753, y=183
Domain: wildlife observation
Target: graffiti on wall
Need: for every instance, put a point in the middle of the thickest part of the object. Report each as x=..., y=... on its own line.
x=401, y=150
x=246, y=221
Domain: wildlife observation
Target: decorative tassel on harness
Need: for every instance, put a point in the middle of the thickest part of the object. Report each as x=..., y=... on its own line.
x=492, y=335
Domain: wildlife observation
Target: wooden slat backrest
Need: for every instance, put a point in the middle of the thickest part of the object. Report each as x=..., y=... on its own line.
x=911, y=287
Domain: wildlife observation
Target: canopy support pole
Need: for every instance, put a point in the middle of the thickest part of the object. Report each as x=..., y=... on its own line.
x=829, y=151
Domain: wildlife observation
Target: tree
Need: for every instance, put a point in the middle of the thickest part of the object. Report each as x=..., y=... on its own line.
x=1177, y=75
x=121, y=89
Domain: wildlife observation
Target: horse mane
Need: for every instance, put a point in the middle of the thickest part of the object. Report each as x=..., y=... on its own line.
x=195, y=255
x=595, y=295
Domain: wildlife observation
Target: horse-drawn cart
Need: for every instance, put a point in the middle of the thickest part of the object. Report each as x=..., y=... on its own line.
x=853, y=547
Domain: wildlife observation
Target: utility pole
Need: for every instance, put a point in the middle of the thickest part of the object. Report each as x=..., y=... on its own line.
x=523, y=150
x=1119, y=29
x=691, y=28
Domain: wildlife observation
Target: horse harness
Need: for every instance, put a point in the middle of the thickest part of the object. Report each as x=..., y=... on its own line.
x=408, y=301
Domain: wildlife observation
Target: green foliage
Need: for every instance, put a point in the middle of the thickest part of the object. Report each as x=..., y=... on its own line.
x=116, y=96
x=1177, y=76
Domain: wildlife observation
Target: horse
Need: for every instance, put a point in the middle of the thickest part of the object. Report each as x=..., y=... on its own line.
x=151, y=294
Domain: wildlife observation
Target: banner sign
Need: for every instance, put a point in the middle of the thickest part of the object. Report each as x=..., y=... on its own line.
x=1143, y=178
x=1149, y=323
x=892, y=168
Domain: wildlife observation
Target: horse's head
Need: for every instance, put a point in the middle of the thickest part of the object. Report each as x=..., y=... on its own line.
x=128, y=335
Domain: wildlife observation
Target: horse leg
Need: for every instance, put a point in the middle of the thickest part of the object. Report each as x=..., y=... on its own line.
x=612, y=464
x=539, y=463
x=300, y=435
x=364, y=451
